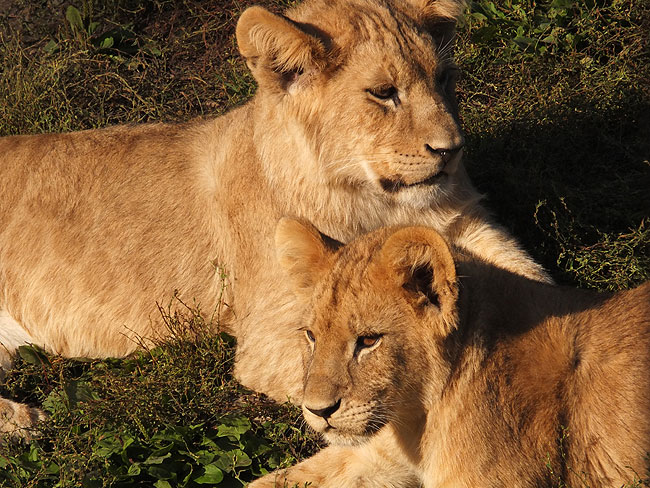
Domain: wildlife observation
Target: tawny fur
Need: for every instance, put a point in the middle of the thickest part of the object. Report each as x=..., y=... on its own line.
x=479, y=377
x=97, y=227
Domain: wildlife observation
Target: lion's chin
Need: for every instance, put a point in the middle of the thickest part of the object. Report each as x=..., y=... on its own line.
x=421, y=196
x=396, y=185
x=339, y=437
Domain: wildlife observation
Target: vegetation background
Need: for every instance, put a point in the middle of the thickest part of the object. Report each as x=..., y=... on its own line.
x=555, y=101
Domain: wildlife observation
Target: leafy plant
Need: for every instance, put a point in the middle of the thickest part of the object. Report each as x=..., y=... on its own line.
x=536, y=28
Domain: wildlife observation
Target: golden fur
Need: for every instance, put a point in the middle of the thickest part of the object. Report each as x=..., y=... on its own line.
x=98, y=226
x=487, y=378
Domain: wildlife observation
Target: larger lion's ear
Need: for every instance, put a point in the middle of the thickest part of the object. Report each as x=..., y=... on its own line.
x=439, y=17
x=419, y=262
x=439, y=10
x=278, y=51
x=303, y=252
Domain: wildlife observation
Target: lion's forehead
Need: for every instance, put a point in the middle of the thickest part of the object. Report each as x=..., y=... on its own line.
x=360, y=308
x=370, y=25
x=401, y=63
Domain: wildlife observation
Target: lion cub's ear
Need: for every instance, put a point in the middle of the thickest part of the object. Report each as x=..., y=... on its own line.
x=277, y=50
x=420, y=263
x=303, y=253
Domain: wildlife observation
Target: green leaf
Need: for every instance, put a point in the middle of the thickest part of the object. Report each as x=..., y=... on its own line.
x=161, y=451
x=156, y=459
x=523, y=42
x=489, y=8
x=108, y=445
x=33, y=355
x=51, y=47
x=33, y=453
x=211, y=475
x=106, y=43
x=205, y=457
x=78, y=392
x=233, y=426
x=160, y=473
x=153, y=50
x=54, y=403
x=479, y=16
x=74, y=19
x=242, y=459
x=162, y=484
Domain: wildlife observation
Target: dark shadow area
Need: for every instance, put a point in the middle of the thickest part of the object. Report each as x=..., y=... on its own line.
x=568, y=174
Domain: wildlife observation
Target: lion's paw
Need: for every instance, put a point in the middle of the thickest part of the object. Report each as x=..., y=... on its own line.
x=278, y=479
x=18, y=419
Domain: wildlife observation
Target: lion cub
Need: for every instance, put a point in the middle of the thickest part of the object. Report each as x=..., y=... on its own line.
x=487, y=378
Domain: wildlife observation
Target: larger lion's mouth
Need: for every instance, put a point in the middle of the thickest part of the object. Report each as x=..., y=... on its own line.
x=393, y=185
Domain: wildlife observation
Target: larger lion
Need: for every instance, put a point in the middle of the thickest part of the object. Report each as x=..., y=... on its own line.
x=487, y=378
x=354, y=127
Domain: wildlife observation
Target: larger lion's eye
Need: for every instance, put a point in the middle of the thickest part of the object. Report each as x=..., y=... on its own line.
x=385, y=93
x=310, y=336
x=367, y=342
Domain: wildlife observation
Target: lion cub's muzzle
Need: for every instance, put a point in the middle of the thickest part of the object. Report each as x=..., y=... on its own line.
x=445, y=162
x=351, y=422
x=325, y=412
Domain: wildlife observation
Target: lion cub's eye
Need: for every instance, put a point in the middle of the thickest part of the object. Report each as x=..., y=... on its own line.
x=386, y=92
x=310, y=336
x=366, y=342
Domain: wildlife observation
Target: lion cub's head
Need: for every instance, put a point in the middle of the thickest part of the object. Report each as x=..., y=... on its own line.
x=379, y=307
x=368, y=86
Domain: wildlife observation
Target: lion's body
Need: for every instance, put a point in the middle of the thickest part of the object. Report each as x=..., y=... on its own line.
x=556, y=388
x=98, y=227
x=488, y=379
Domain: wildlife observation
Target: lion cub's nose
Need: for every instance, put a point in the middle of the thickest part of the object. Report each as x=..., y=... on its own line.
x=446, y=154
x=327, y=411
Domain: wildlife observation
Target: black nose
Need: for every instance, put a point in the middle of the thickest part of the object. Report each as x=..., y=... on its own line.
x=447, y=154
x=327, y=411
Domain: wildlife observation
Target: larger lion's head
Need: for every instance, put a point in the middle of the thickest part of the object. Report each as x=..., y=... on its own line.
x=367, y=85
x=381, y=309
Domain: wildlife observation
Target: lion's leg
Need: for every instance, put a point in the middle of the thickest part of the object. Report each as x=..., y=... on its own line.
x=15, y=418
x=380, y=463
x=486, y=240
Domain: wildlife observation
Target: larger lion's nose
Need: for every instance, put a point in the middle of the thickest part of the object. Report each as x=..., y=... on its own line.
x=446, y=154
x=325, y=412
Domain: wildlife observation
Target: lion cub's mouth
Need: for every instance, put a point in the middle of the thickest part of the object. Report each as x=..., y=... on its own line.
x=394, y=185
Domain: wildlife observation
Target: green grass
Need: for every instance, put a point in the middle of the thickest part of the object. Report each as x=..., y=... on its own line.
x=555, y=101
x=559, y=132
x=171, y=415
